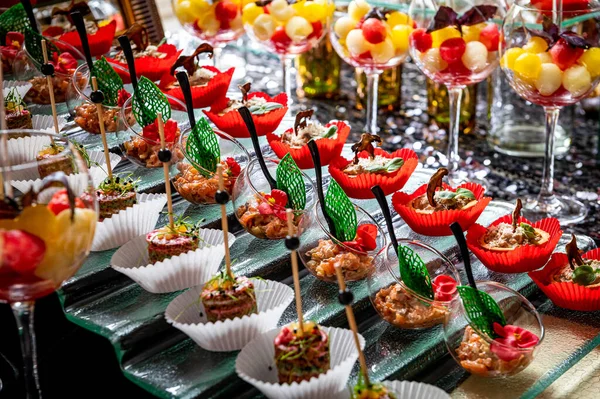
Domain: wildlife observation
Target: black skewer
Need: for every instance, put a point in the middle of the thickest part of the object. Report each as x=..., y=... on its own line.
x=316, y=157
x=80, y=25
x=126, y=46
x=30, y=15
x=385, y=209
x=247, y=117
x=464, y=251
x=184, y=83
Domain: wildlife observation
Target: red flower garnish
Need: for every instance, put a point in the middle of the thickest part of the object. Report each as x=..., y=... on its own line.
x=274, y=204
x=150, y=131
x=234, y=167
x=444, y=288
x=63, y=62
x=366, y=238
x=122, y=96
x=512, y=338
x=60, y=202
x=15, y=39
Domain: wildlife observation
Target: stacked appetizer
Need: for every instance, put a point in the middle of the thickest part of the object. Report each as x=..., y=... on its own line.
x=227, y=297
x=16, y=113
x=167, y=241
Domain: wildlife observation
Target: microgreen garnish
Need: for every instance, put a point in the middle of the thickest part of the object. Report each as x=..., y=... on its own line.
x=118, y=185
x=446, y=16
x=182, y=228
x=13, y=102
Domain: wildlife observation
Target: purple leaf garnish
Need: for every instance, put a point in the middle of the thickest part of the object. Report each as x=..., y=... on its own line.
x=551, y=35
x=575, y=40
x=445, y=16
x=477, y=15
x=540, y=33
x=550, y=28
x=377, y=13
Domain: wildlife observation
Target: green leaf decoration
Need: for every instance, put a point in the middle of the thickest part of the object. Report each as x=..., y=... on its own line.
x=584, y=275
x=203, y=149
x=330, y=132
x=109, y=81
x=14, y=20
x=264, y=108
x=342, y=212
x=414, y=273
x=390, y=166
x=33, y=44
x=528, y=230
x=463, y=192
x=446, y=194
x=147, y=101
x=482, y=310
x=289, y=179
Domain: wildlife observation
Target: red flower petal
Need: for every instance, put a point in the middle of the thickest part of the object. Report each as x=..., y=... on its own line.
x=280, y=197
x=264, y=208
x=502, y=347
x=499, y=329
x=368, y=234
x=100, y=42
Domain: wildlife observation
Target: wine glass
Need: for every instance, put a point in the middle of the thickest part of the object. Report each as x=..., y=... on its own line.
x=43, y=239
x=552, y=59
x=217, y=22
x=456, y=44
x=287, y=29
x=374, y=39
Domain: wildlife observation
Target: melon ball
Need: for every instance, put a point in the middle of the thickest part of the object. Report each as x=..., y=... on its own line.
x=471, y=33
x=591, y=59
x=396, y=18
x=441, y=35
x=184, y=13
x=475, y=56
x=400, y=35
x=510, y=56
x=549, y=80
x=298, y=29
x=432, y=60
x=280, y=10
x=383, y=52
x=264, y=26
x=528, y=67
x=536, y=45
x=344, y=25
x=358, y=9
x=199, y=7
x=577, y=80
x=250, y=12
x=545, y=57
x=356, y=42
x=209, y=24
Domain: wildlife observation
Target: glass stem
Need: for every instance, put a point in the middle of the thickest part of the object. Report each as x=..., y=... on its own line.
x=286, y=65
x=217, y=51
x=23, y=312
x=372, y=101
x=547, y=189
x=454, y=97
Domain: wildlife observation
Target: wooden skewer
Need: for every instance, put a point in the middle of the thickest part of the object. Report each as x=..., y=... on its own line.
x=3, y=127
x=50, y=90
x=290, y=223
x=224, y=224
x=163, y=146
x=100, y=111
x=353, y=327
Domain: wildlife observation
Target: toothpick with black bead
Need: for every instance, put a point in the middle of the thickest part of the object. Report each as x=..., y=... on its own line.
x=222, y=197
x=48, y=70
x=164, y=155
x=293, y=243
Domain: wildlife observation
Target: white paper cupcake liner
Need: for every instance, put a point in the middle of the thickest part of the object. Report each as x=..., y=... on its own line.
x=46, y=123
x=22, y=87
x=415, y=390
x=176, y=273
x=256, y=365
x=129, y=223
x=98, y=172
x=184, y=313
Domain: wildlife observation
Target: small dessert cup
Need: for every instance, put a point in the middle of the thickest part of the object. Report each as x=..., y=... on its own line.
x=401, y=306
x=198, y=185
x=152, y=63
x=323, y=251
x=503, y=356
x=251, y=189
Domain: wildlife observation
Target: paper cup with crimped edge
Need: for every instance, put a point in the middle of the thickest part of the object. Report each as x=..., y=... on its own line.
x=359, y=187
x=522, y=259
x=21, y=87
x=438, y=223
x=328, y=148
x=176, y=273
x=256, y=365
x=233, y=124
x=46, y=123
x=129, y=223
x=204, y=96
x=567, y=295
x=415, y=390
x=186, y=313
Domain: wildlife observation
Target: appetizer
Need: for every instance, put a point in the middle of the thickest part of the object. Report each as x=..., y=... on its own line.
x=226, y=297
x=114, y=195
x=371, y=167
x=166, y=242
x=444, y=199
x=16, y=113
x=52, y=159
x=64, y=67
x=330, y=139
x=267, y=112
x=14, y=44
x=301, y=355
x=373, y=391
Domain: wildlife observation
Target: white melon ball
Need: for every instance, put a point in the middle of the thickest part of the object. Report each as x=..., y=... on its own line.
x=356, y=42
x=280, y=10
x=209, y=24
x=432, y=61
x=475, y=56
x=549, y=79
x=264, y=26
x=358, y=9
x=298, y=29
x=545, y=57
x=383, y=52
x=343, y=26
x=577, y=80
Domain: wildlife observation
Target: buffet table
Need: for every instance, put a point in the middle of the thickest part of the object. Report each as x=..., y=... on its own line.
x=166, y=363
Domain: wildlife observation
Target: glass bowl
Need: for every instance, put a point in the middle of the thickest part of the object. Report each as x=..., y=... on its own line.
x=249, y=191
x=26, y=68
x=198, y=185
x=399, y=305
x=320, y=251
x=477, y=357
x=83, y=110
x=215, y=21
x=141, y=150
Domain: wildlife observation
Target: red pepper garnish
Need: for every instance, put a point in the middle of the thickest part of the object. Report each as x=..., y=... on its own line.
x=444, y=288
x=366, y=238
x=234, y=167
x=122, y=96
x=150, y=131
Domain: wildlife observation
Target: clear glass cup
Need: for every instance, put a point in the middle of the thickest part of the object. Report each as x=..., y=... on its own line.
x=141, y=150
x=552, y=78
x=249, y=191
x=26, y=68
x=217, y=22
x=288, y=29
x=320, y=251
x=41, y=246
x=399, y=305
x=457, y=59
x=518, y=311
x=373, y=44
x=83, y=110
x=198, y=185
